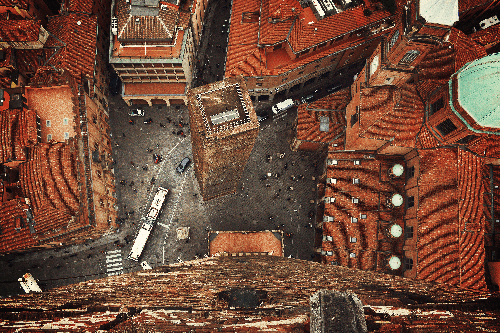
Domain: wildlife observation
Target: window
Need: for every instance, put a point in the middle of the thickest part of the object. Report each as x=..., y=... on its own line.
x=355, y=180
x=66, y=135
x=355, y=200
x=436, y=106
x=446, y=127
x=408, y=264
x=354, y=219
x=250, y=17
x=374, y=65
x=352, y=255
x=409, y=232
x=258, y=84
x=411, y=172
x=49, y=137
x=411, y=201
x=47, y=123
x=353, y=240
x=393, y=40
x=363, y=216
x=301, y=72
x=409, y=57
x=354, y=119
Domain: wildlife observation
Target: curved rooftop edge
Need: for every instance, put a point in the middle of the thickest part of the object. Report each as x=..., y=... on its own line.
x=477, y=91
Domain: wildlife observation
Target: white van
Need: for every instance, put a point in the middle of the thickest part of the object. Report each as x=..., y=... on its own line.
x=29, y=284
x=283, y=106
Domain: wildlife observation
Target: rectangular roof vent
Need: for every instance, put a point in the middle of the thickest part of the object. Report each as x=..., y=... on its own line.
x=331, y=162
x=327, y=218
x=331, y=181
x=324, y=124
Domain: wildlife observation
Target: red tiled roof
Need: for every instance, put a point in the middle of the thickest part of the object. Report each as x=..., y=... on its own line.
x=471, y=221
x=487, y=37
x=155, y=88
x=450, y=190
x=464, y=5
x=391, y=112
x=371, y=192
x=442, y=62
x=466, y=49
x=17, y=131
x=82, y=6
x=78, y=56
x=243, y=37
x=305, y=35
x=281, y=11
x=27, y=60
x=246, y=242
x=488, y=146
x=12, y=3
x=10, y=238
x=425, y=139
x=145, y=27
x=8, y=60
x=19, y=30
x=331, y=106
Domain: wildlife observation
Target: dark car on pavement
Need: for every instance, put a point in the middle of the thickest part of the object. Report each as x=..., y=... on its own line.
x=183, y=165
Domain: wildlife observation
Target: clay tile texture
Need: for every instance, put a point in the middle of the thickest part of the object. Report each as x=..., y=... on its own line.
x=248, y=294
x=79, y=34
x=132, y=25
x=19, y=30
x=246, y=243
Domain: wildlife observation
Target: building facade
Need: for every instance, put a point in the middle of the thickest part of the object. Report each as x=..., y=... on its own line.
x=224, y=127
x=152, y=49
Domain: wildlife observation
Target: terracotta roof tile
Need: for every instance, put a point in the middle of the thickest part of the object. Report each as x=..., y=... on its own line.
x=425, y=139
x=487, y=37
x=155, y=88
x=19, y=30
x=390, y=112
x=243, y=37
x=18, y=131
x=82, y=6
x=373, y=188
x=331, y=106
x=11, y=238
x=281, y=13
x=27, y=60
x=158, y=27
x=78, y=56
x=305, y=35
x=464, y=5
x=466, y=49
x=450, y=214
x=246, y=242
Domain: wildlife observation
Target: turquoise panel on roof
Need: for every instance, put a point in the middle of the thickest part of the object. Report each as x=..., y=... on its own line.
x=479, y=90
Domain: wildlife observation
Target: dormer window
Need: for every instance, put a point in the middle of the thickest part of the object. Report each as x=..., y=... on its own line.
x=436, y=106
x=409, y=57
x=446, y=127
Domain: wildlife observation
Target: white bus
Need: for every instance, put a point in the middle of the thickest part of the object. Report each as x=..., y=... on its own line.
x=147, y=226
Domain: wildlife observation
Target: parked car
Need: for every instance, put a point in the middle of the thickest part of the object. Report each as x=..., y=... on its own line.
x=157, y=158
x=183, y=165
x=306, y=99
x=333, y=89
x=136, y=113
x=148, y=121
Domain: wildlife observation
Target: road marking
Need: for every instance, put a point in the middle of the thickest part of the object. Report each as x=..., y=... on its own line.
x=178, y=199
x=114, y=262
x=163, y=225
x=161, y=169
